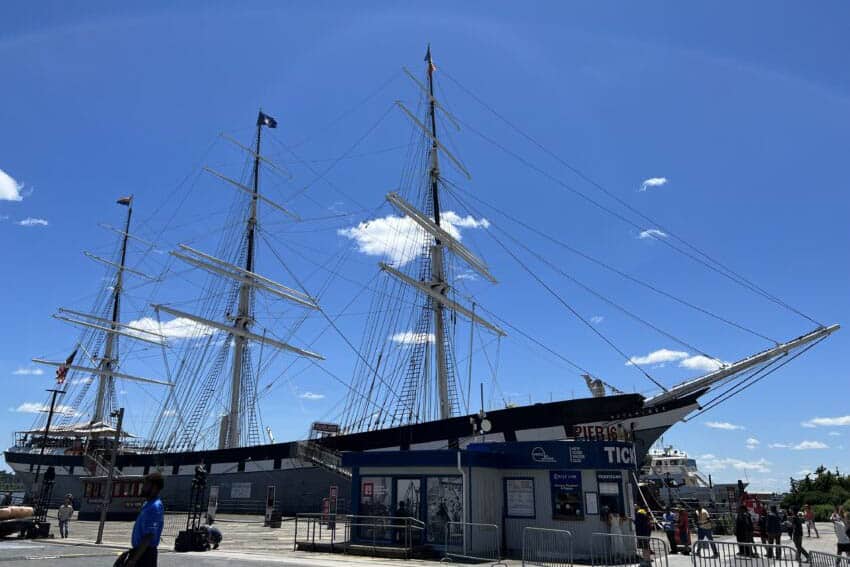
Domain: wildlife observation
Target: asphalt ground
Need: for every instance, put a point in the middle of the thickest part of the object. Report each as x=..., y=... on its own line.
x=246, y=544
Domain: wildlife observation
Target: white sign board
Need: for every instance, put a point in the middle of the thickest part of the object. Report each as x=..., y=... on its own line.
x=519, y=496
x=240, y=490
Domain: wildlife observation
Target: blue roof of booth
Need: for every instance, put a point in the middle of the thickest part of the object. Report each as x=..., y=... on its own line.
x=523, y=454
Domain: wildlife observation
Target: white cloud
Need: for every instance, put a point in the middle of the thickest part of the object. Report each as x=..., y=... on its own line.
x=596, y=319
x=78, y=381
x=21, y=371
x=753, y=443
x=467, y=275
x=652, y=233
x=35, y=407
x=411, y=338
x=827, y=421
x=700, y=362
x=725, y=425
x=804, y=472
x=10, y=190
x=779, y=446
x=178, y=328
x=32, y=221
x=399, y=239
x=713, y=463
x=311, y=396
x=834, y=434
x=653, y=182
x=807, y=445
x=658, y=357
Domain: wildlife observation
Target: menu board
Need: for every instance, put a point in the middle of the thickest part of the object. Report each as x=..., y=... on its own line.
x=519, y=497
x=566, y=495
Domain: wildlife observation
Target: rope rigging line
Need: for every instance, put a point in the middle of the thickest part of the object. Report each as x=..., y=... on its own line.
x=604, y=298
x=330, y=321
x=323, y=175
x=609, y=267
x=751, y=382
x=711, y=262
x=572, y=310
x=393, y=76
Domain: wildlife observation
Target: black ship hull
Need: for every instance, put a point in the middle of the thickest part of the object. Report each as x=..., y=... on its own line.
x=302, y=482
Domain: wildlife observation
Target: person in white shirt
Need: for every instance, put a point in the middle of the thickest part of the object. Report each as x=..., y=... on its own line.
x=66, y=510
x=841, y=534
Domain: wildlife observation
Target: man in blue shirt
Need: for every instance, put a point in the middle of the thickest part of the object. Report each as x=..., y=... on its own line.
x=149, y=524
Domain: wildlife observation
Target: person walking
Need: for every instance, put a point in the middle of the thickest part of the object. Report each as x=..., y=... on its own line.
x=643, y=531
x=683, y=530
x=668, y=522
x=66, y=510
x=148, y=527
x=842, y=535
x=704, y=532
x=797, y=535
x=810, y=521
x=774, y=532
x=744, y=532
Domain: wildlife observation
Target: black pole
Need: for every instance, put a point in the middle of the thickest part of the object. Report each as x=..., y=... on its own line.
x=435, y=197
x=46, y=429
x=249, y=263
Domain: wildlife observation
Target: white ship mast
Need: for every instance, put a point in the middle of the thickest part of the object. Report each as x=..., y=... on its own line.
x=239, y=330
x=106, y=366
x=437, y=288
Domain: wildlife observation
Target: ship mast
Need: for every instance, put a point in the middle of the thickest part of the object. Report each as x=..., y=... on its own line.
x=107, y=362
x=438, y=282
x=243, y=315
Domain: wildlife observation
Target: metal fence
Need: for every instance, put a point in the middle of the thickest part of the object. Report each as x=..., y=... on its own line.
x=339, y=532
x=706, y=553
x=546, y=547
x=821, y=559
x=624, y=549
x=473, y=542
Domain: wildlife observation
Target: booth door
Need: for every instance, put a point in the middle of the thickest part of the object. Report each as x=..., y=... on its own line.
x=408, y=495
x=444, y=505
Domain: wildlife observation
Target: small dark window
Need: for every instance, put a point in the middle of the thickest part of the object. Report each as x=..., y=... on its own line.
x=175, y=469
x=71, y=470
x=147, y=469
x=241, y=466
x=277, y=463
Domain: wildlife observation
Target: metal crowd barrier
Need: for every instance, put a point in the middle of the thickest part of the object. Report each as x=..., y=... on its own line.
x=473, y=542
x=397, y=532
x=543, y=547
x=821, y=559
x=318, y=531
x=329, y=532
x=625, y=549
x=706, y=553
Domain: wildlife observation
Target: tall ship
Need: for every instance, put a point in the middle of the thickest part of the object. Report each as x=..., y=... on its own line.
x=211, y=329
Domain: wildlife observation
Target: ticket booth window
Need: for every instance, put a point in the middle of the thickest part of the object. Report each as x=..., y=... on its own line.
x=445, y=504
x=610, y=487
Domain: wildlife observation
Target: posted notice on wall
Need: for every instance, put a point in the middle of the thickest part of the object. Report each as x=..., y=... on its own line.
x=519, y=496
x=567, y=501
x=240, y=490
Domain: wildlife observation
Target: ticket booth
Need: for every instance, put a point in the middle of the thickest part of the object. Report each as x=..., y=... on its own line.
x=552, y=484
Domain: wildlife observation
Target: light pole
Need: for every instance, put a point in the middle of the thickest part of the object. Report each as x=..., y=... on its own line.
x=46, y=429
x=107, y=497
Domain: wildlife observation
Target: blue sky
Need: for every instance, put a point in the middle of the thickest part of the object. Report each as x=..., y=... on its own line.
x=743, y=109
